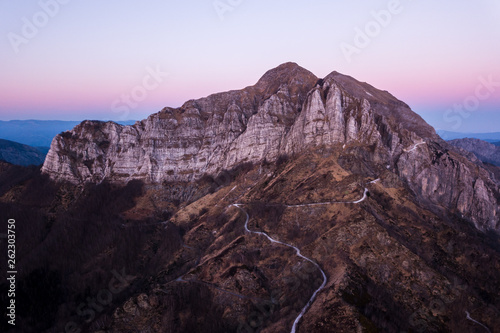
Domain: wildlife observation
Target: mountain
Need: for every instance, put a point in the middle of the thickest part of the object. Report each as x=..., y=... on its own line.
x=287, y=112
x=20, y=154
x=36, y=133
x=485, y=151
x=298, y=204
x=488, y=137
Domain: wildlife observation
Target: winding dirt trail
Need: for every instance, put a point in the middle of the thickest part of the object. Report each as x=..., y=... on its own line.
x=272, y=240
x=297, y=251
x=363, y=198
x=475, y=321
x=413, y=147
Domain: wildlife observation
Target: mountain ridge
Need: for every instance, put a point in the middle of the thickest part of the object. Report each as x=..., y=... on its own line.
x=485, y=151
x=20, y=154
x=302, y=84
x=287, y=112
x=491, y=137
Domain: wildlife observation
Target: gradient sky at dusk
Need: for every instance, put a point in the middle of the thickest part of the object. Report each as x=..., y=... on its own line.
x=83, y=59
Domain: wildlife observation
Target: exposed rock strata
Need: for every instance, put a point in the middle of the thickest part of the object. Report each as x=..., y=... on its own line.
x=288, y=111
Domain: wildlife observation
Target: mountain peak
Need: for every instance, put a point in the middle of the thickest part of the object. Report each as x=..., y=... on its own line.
x=288, y=112
x=385, y=103
x=286, y=73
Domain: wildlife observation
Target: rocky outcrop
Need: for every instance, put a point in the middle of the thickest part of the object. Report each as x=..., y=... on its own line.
x=444, y=177
x=287, y=112
x=204, y=136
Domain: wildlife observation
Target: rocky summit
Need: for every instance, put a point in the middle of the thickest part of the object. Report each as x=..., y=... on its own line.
x=299, y=204
x=287, y=112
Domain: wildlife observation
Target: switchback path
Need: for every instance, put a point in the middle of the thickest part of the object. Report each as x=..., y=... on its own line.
x=297, y=251
x=475, y=321
x=413, y=147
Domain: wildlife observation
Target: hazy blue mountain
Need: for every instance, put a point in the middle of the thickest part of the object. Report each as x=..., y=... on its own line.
x=44, y=150
x=17, y=153
x=488, y=137
x=37, y=133
x=485, y=151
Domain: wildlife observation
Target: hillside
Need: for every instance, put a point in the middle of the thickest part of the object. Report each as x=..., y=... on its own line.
x=485, y=151
x=20, y=154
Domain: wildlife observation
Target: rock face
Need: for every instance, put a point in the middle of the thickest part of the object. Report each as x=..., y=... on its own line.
x=288, y=111
x=203, y=136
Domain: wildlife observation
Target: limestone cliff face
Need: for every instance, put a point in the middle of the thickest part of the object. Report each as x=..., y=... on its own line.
x=288, y=111
x=446, y=178
x=203, y=136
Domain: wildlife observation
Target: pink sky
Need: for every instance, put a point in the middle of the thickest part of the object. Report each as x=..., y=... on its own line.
x=431, y=55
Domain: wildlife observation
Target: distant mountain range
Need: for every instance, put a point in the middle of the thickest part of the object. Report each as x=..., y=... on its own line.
x=37, y=133
x=16, y=153
x=485, y=151
x=488, y=137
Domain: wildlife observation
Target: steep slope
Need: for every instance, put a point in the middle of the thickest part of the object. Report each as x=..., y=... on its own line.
x=391, y=264
x=203, y=136
x=287, y=112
